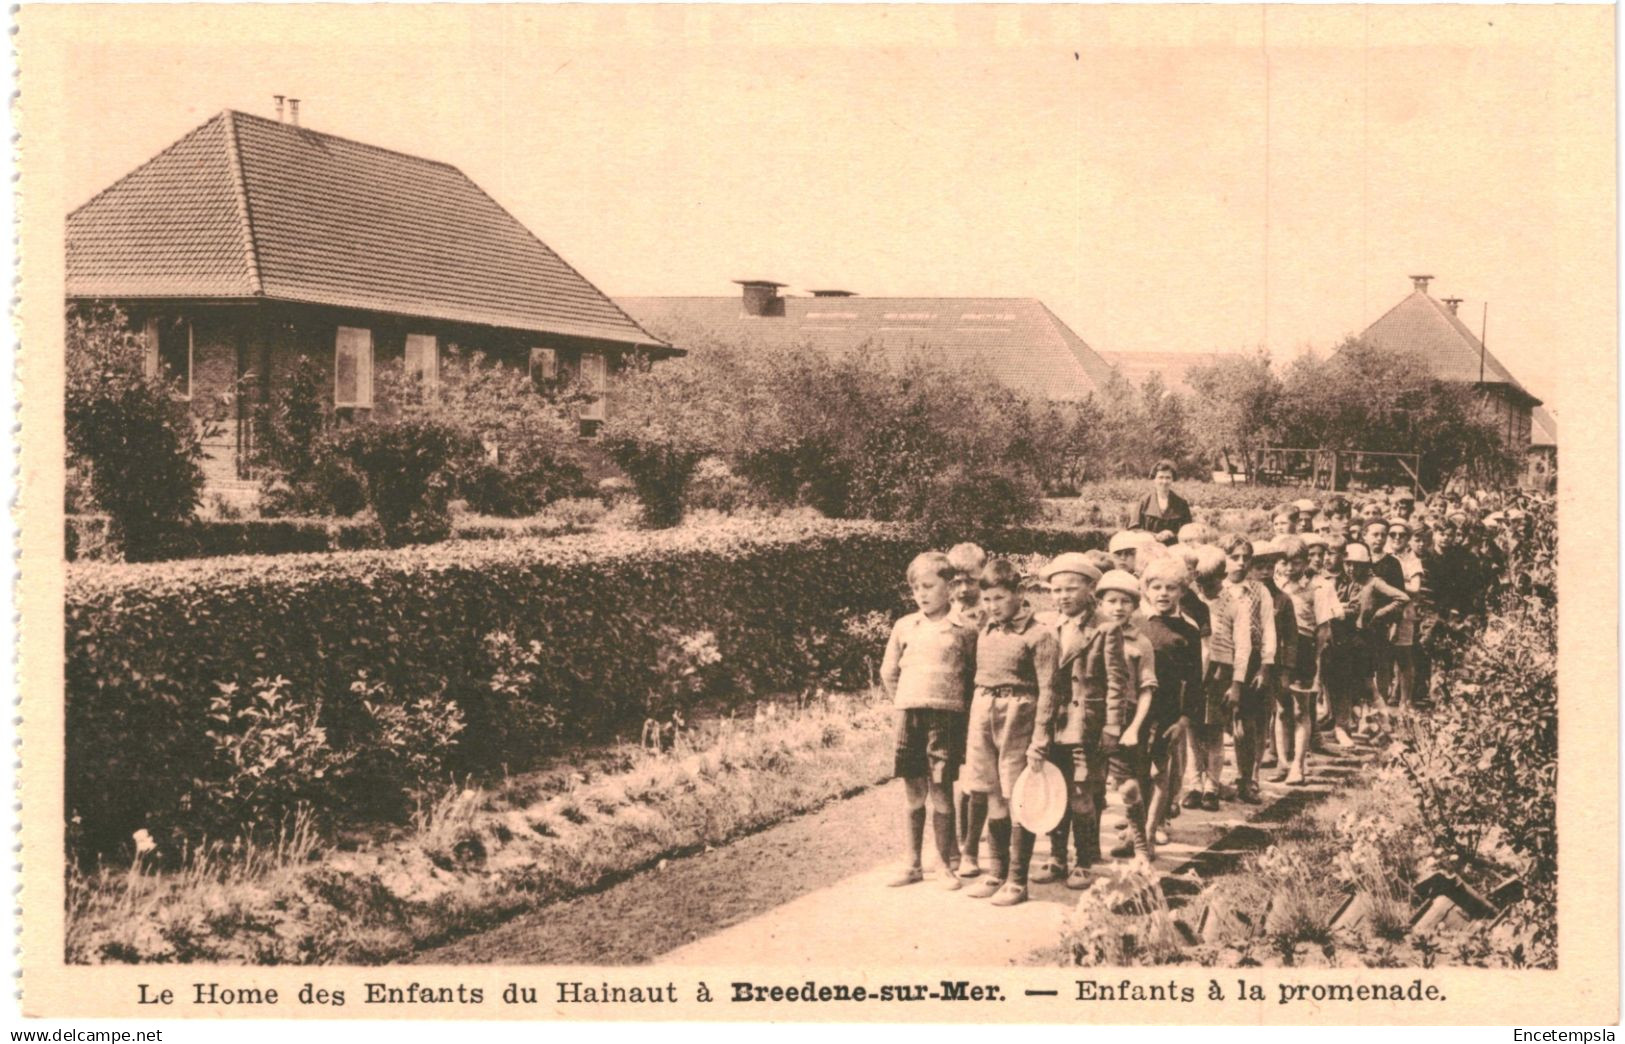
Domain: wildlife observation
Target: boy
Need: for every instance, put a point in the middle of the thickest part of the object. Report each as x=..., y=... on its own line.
x=1129, y=547
x=1337, y=513
x=1093, y=670
x=1195, y=533
x=1206, y=733
x=1295, y=709
x=1306, y=514
x=1315, y=550
x=1177, y=647
x=969, y=560
x=928, y=669
x=1381, y=602
x=1102, y=561
x=1284, y=519
x=1121, y=757
x=1016, y=661
x=1243, y=644
x=1265, y=558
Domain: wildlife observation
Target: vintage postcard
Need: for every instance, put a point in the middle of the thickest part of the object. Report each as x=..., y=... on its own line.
x=1022, y=514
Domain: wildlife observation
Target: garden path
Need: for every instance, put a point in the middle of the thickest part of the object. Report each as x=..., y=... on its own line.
x=811, y=892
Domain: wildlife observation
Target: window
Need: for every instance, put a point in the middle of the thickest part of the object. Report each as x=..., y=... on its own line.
x=544, y=365
x=594, y=381
x=352, y=367
x=423, y=362
x=169, y=351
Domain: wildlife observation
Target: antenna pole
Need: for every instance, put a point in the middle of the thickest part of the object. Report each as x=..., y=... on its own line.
x=1483, y=331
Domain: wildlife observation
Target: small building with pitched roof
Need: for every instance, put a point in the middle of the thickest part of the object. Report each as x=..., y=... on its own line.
x=1430, y=329
x=1016, y=339
x=251, y=242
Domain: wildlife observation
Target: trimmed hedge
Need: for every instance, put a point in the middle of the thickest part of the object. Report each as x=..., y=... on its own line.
x=148, y=644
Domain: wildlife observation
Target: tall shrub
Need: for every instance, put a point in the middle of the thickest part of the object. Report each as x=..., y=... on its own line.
x=407, y=468
x=520, y=433
x=664, y=421
x=131, y=433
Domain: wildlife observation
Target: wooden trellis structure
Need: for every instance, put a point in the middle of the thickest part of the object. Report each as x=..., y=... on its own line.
x=1334, y=470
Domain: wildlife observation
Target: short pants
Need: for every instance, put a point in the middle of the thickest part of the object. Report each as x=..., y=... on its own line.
x=1107, y=763
x=1001, y=730
x=930, y=744
x=1302, y=676
x=1160, y=750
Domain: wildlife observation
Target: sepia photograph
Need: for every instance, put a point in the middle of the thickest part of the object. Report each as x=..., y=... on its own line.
x=1059, y=492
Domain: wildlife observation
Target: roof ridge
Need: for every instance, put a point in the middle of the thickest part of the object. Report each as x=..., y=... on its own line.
x=339, y=137
x=239, y=187
x=149, y=161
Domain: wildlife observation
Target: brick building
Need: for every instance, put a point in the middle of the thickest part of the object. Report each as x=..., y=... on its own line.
x=250, y=242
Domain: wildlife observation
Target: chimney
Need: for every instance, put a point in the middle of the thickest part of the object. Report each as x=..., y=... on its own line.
x=762, y=298
x=1418, y=281
x=293, y=111
x=278, y=98
x=1452, y=303
x=834, y=293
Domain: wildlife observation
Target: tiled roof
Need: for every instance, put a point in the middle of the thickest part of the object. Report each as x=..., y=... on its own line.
x=1423, y=326
x=1019, y=340
x=1542, y=427
x=1172, y=366
x=249, y=207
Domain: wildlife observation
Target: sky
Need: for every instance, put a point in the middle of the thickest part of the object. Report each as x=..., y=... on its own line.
x=1165, y=179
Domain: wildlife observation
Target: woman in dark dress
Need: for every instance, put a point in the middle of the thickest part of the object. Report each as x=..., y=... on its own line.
x=1162, y=511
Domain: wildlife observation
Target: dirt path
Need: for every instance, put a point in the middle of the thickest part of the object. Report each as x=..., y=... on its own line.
x=811, y=891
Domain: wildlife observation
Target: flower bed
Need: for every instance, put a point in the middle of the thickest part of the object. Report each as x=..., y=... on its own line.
x=475, y=858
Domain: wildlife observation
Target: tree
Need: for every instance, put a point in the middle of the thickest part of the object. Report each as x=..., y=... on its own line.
x=859, y=434
x=132, y=432
x=665, y=420
x=1364, y=397
x=1233, y=408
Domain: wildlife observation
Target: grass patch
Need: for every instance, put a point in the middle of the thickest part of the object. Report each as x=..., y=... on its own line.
x=473, y=858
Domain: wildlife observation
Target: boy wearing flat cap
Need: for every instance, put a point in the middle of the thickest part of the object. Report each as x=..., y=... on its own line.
x=1118, y=758
x=1093, y=669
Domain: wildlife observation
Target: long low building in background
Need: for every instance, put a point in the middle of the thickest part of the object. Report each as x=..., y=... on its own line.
x=1017, y=339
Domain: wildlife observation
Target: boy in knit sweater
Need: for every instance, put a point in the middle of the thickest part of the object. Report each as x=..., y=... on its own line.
x=928, y=669
x=1016, y=658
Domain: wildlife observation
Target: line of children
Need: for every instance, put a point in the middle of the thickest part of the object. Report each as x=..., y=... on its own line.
x=1152, y=655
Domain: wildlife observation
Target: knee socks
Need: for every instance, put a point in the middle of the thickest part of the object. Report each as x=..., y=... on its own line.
x=1021, y=853
x=970, y=830
x=916, y=834
x=1086, y=837
x=998, y=855
x=942, y=826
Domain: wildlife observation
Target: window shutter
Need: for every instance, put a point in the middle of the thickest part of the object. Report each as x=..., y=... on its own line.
x=544, y=364
x=149, y=362
x=352, y=367
x=594, y=379
x=423, y=361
